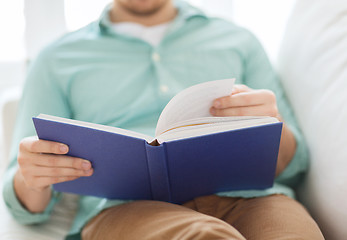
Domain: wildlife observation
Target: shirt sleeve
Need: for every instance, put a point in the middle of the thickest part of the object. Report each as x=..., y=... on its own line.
x=42, y=93
x=259, y=74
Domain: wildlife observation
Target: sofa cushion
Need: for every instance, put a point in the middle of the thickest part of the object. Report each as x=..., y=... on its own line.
x=313, y=65
x=56, y=228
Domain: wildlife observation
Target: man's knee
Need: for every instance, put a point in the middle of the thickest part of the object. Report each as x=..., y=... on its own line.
x=210, y=228
x=276, y=217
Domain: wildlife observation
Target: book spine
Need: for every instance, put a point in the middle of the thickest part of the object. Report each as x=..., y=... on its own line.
x=158, y=172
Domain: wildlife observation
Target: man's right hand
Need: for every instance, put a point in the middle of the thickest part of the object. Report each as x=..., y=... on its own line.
x=41, y=164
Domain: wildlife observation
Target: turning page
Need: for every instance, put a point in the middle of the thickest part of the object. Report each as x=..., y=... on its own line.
x=193, y=102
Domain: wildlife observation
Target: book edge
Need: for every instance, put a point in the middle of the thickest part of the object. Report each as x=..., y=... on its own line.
x=95, y=126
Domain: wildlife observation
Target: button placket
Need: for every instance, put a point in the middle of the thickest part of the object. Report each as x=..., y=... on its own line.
x=163, y=89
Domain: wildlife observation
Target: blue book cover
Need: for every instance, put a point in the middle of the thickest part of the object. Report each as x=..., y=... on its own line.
x=127, y=166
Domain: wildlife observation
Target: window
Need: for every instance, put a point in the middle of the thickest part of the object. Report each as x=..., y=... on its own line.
x=79, y=13
x=266, y=19
x=12, y=30
x=12, y=51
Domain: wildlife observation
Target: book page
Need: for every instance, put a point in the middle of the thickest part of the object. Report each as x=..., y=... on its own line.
x=193, y=102
x=211, y=120
x=210, y=126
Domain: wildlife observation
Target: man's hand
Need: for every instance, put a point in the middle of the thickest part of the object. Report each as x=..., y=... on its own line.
x=245, y=101
x=41, y=164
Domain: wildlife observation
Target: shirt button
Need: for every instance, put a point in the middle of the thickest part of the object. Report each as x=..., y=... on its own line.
x=164, y=88
x=156, y=57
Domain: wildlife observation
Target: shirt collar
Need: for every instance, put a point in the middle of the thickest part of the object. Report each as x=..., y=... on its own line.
x=185, y=13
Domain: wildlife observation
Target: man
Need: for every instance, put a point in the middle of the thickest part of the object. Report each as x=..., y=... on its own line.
x=122, y=70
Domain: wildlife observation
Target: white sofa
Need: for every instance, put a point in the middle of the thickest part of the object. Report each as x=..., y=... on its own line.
x=313, y=66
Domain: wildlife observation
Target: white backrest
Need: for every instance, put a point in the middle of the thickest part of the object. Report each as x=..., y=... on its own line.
x=313, y=66
x=8, y=105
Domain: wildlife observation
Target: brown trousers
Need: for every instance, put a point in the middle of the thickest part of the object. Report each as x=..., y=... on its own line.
x=209, y=217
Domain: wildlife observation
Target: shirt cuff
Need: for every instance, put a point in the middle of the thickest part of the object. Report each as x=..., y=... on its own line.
x=21, y=214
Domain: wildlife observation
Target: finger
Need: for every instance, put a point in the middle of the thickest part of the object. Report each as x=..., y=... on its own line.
x=42, y=146
x=238, y=88
x=51, y=160
x=259, y=110
x=59, y=172
x=41, y=182
x=243, y=99
x=239, y=100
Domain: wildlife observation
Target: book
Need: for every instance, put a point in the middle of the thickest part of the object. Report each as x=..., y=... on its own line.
x=192, y=154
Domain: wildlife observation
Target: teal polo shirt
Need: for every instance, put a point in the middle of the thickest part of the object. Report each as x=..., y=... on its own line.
x=99, y=76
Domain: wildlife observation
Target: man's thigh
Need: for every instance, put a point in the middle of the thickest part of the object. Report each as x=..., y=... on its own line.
x=153, y=220
x=271, y=217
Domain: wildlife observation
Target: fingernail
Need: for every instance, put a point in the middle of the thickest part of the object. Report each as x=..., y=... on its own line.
x=217, y=104
x=212, y=111
x=88, y=172
x=86, y=165
x=63, y=148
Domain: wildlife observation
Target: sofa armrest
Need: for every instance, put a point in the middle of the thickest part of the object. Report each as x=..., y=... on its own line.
x=8, y=106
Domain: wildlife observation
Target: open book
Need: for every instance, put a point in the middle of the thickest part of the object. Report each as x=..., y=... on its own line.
x=192, y=153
